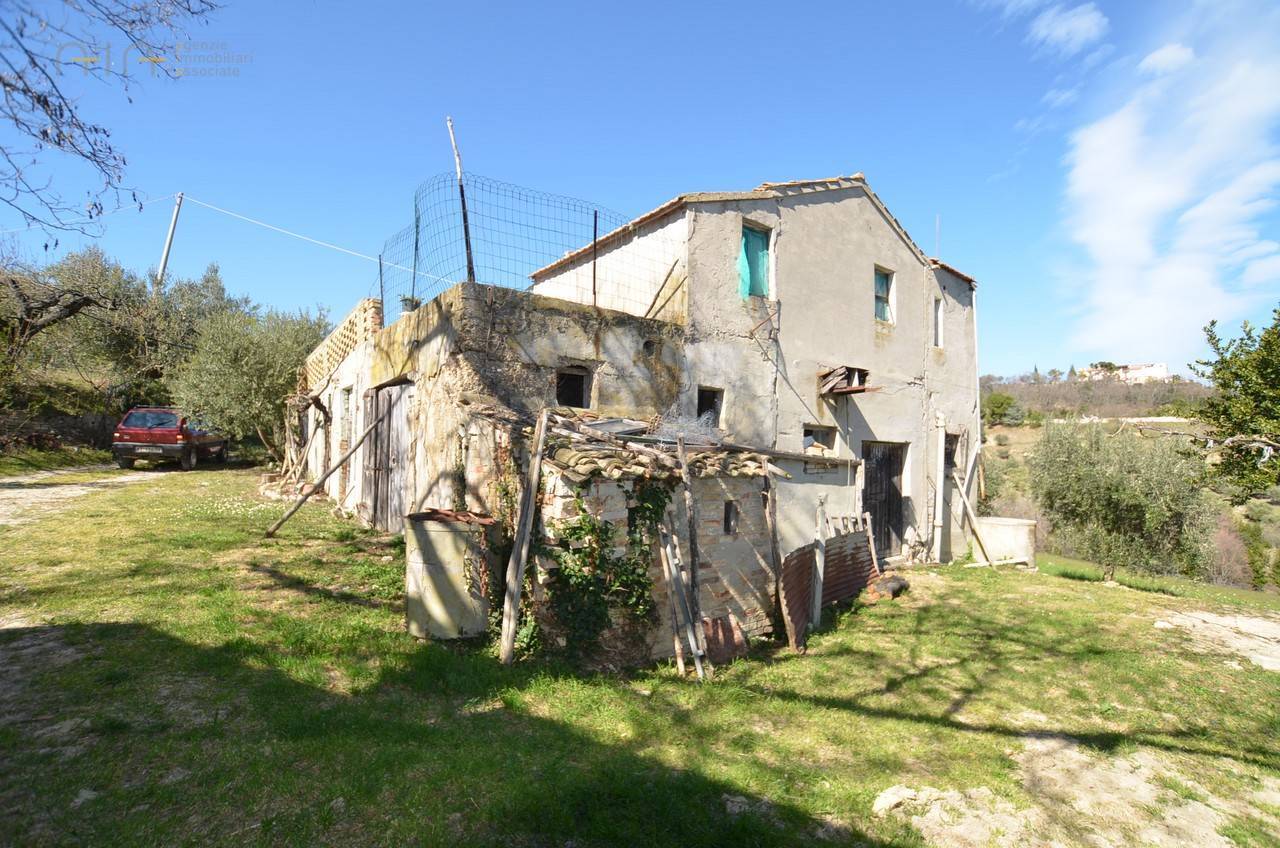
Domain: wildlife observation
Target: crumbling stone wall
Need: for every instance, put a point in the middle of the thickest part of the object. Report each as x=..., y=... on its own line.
x=736, y=576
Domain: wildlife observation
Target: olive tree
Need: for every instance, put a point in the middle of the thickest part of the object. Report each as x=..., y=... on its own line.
x=1244, y=414
x=1122, y=499
x=243, y=369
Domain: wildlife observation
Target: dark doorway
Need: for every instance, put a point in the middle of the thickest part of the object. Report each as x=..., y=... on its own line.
x=573, y=387
x=882, y=493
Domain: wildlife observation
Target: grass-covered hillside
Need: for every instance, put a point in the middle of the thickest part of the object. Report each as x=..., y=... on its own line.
x=171, y=677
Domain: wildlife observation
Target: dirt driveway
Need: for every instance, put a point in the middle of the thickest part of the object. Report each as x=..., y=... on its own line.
x=32, y=496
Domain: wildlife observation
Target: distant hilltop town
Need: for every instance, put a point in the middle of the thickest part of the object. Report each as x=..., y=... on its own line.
x=1150, y=372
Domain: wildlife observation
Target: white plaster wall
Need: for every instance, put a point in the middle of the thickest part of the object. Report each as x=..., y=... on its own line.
x=826, y=247
x=354, y=373
x=628, y=272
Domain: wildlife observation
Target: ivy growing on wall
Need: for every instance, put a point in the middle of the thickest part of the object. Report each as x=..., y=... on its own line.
x=597, y=585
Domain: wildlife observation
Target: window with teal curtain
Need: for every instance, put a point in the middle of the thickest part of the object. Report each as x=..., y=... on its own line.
x=753, y=263
x=884, y=280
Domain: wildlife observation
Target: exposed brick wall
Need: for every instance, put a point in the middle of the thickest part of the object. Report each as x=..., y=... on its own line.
x=361, y=323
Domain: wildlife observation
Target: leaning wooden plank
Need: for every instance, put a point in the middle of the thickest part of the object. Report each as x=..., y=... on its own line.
x=819, y=564
x=520, y=545
x=325, y=476
x=871, y=542
x=691, y=512
x=973, y=518
x=671, y=604
x=675, y=580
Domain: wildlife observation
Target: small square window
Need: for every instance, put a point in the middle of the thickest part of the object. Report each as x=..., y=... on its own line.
x=884, y=295
x=730, y=518
x=753, y=263
x=710, y=402
x=818, y=439
x=573, y=387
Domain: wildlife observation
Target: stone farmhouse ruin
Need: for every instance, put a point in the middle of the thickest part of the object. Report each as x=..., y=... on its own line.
x=793, y=367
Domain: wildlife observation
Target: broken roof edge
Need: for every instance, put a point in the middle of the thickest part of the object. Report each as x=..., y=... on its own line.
x=935, y=262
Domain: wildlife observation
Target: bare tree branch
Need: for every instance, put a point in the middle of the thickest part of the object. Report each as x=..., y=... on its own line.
x=44, y=115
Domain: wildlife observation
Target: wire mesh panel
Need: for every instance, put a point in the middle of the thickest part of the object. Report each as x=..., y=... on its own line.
x=513, y=231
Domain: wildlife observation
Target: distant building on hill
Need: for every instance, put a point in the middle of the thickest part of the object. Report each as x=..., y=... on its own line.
x=1150, y=372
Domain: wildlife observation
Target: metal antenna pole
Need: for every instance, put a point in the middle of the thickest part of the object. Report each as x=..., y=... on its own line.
x=168, y=242
x=462, y=197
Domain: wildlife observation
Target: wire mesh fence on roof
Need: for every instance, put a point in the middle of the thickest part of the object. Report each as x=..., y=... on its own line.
x=514, y=231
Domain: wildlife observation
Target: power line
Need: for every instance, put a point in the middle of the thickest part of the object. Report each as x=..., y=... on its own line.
x=282, y=230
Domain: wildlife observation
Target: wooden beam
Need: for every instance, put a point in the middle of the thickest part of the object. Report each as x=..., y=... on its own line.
x=675, y=579
x=520, y=544
x=973, y=518
x=271, y=531
x=819, y=564
x=871, y=542
x=691, y=513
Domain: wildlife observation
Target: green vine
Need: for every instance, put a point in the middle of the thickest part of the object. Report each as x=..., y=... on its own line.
x=595, y=582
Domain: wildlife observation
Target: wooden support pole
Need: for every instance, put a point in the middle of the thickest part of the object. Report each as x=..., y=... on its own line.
x=675, y=579
x=973, y=518
x=691, y=513
x=819, y=563
x=675, y=615
x=325, y=476
x=871, y=542
x=520, y=545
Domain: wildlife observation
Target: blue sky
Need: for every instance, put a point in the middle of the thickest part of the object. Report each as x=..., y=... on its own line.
x=1106, y=170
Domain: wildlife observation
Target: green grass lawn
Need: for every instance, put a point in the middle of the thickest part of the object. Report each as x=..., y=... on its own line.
x=171, y=677
x=27, y=461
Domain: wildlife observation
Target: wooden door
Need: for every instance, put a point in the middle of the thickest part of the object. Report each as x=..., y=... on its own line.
x=398, y=458
x=371, y=457
x=387, y=459
x=882, y=493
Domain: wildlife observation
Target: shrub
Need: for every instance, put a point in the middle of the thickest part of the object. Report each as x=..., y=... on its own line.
x=1122, y=500
x=1001, y=408
x=1002, y=440
x=1230, y=565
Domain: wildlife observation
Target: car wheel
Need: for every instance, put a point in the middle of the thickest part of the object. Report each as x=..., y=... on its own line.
x=125, y=461
x=188, y=460
x=221, y=456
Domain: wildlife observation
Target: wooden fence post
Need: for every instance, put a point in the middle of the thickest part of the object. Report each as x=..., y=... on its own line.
x=819, y=563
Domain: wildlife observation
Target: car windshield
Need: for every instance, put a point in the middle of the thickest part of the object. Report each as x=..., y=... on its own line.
x=150, y=419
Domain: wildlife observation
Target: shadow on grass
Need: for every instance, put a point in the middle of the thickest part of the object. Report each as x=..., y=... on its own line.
x=440, y=751
x=992, y=647
x=298, y=584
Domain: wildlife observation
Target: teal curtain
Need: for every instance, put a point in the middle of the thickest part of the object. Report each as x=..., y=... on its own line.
x=882, y=296
x=753, y=263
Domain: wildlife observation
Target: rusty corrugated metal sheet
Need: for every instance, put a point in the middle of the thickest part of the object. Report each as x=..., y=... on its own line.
x=796, y=588
x=848, y=567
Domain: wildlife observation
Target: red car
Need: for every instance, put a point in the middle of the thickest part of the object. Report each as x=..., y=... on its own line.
x=162, y=432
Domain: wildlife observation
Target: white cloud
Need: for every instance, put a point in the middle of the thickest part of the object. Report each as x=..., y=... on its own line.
x=1056, y=98
x=1168, y=195
x=1166, y=60
x=1010, y=8
x=1068, y=31
x=1262, y=271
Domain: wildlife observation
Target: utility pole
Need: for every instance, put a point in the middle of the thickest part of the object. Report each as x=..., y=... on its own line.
x=168, y=242
x=462, y=197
